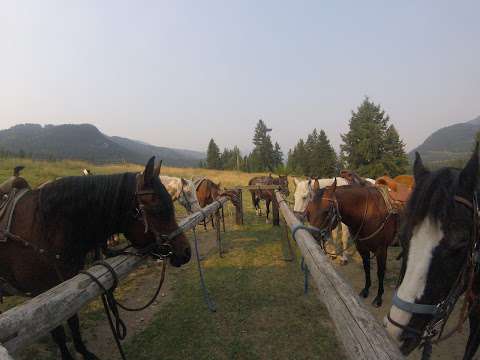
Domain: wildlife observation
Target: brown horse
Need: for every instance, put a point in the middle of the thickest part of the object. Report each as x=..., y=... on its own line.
x=267, y=195
x=407, y=180
x=208, y=192
x=53, y=228
x=371, y=221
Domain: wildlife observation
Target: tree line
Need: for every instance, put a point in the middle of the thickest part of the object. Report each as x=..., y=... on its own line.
x=372, y=147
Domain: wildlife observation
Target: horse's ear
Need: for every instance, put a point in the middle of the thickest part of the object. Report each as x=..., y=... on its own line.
x=156, y=171
x=184, y=182
x=148, y=173
x=334, y=185
x=316, y=185
x=418, y=168
x=469, y=175
x=296, y=181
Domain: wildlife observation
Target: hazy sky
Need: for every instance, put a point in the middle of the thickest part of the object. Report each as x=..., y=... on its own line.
x=176, y=73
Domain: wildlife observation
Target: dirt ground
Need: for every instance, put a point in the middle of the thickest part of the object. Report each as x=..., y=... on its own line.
x=450, y=349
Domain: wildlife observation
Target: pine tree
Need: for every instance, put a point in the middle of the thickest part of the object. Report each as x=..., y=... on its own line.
x=262, y=155
x=477, y=137
x=213, y=156
x=277, y=156
x=371, y=147
x=395, y=159
x=326, y=162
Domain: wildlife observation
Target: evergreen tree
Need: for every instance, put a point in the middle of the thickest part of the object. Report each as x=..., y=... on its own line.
x=277, y=156
x=263, y=152
x=477, y=137
x=213, y=156
x=326, y=161
x=372, y=147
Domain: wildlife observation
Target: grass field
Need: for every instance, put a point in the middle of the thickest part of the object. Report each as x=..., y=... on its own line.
x=262, y=311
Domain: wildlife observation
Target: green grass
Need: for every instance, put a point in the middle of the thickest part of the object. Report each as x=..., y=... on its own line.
x=262, y=311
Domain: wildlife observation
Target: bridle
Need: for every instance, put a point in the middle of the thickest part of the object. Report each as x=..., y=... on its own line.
x=183, y=200
x=162, y=241
x=441, y=311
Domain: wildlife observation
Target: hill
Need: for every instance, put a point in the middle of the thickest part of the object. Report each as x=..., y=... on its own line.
x=86, y=142
x=450, y=143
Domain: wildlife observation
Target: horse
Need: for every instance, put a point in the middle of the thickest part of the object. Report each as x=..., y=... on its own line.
x=407, y=180
x=267, y=195
x=440, y=239
x=353, y=178
x=207, y=192
x=370, y=218
x=182, y=190
x=304, y=190
x=53, y=228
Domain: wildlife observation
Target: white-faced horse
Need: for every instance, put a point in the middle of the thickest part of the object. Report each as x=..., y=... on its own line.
x=182, y=190
x=440, y=241
x=303, y=195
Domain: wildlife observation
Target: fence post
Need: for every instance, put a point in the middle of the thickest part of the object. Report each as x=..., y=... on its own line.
x=218, y=232
x=275, y=214
x=239, y=209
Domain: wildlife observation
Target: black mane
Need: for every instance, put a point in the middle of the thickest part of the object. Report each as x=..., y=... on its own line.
x=433, y=196
x=88, y=209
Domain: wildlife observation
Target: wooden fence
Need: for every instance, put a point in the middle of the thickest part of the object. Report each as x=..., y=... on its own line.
x=362, y=336
x=25, y=323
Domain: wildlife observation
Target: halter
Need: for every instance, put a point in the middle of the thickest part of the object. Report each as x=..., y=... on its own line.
x=183, y=200
x=162, y=241
x=441, y=311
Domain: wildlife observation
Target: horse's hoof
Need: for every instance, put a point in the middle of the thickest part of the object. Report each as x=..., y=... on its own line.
x=377, y=302
x=364, y=293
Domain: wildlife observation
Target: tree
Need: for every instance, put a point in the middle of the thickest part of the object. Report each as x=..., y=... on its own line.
x=326, y=161
x=213, y=156
x=477, y=137
x=262, y=154
x=372, y=147
x=277, y=156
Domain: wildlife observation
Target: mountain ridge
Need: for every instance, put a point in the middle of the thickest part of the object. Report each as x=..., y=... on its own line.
x=87, y=142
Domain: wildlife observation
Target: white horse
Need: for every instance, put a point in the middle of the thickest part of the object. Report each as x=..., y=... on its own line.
x=182, y=190
x=303, y=195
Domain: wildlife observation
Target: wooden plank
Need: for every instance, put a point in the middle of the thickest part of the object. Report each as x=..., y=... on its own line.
x=239, y=210
x=25, y=323
x=362, y=336
x=4, y=354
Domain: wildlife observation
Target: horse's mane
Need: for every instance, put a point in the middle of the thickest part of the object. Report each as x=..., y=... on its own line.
x=87, y=208
x=433, y=196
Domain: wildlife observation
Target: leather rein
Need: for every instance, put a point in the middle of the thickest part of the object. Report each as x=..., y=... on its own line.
x=441, y=311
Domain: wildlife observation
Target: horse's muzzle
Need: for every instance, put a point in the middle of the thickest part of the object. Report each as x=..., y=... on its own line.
x=300, y=215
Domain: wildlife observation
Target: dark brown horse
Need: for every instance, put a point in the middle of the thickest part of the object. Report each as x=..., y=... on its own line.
x=372, y=224
x=54, y=227
x=267, y=195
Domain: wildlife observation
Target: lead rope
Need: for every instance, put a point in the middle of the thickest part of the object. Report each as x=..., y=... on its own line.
x=206, y=295
x=110, y=304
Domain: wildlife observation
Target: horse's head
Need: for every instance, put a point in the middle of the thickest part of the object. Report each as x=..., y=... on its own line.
x=155, y=218
x=188, y=196
x=303, y=195
x=322, y=210
x=283, y=182
x=438, y=244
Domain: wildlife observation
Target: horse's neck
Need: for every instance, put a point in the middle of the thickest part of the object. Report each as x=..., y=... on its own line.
x=352, y=204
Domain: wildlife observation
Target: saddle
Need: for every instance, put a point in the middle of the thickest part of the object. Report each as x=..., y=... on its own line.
x=197, y=181
x=8, y=203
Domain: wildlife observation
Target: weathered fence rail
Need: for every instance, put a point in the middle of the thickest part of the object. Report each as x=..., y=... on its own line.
x=26, y=323
x=362, y=336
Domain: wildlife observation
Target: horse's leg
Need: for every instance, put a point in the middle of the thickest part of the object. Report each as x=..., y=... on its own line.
x=474, y=336
x=345, y=238
x=58, y=335
x=366, y=268
x=381, y=257
x=74, y=324
x=267, y=205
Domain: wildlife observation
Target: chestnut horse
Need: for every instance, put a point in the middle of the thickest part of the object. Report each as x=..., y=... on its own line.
x=267, y=195
x=372, y=224
x=208, y=192
x=53, y=228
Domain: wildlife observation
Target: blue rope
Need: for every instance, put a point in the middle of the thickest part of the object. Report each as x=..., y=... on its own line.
x=306, y=272
x=206, y=295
